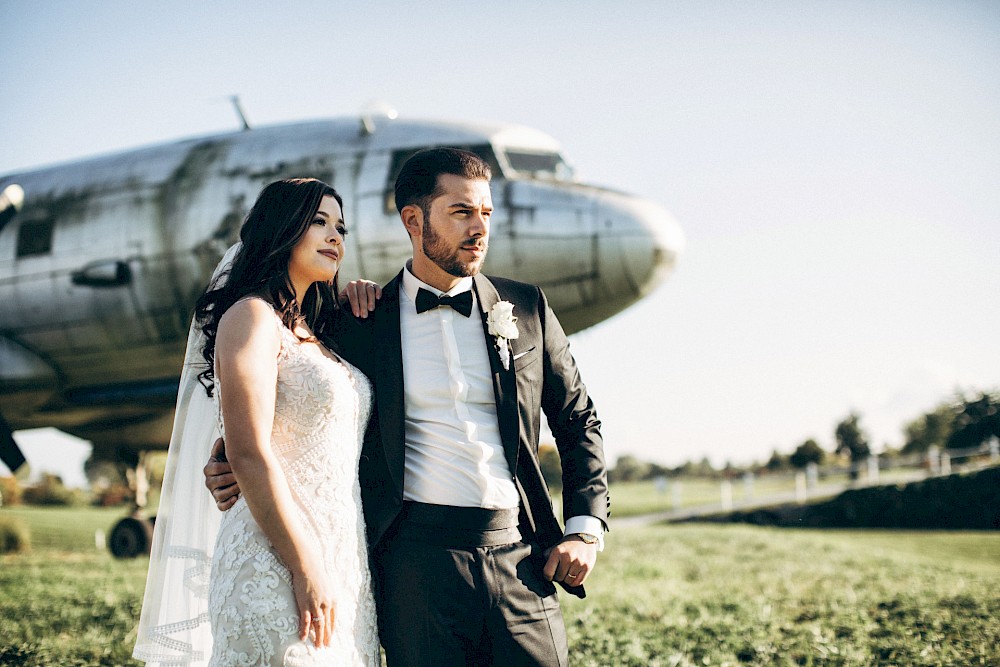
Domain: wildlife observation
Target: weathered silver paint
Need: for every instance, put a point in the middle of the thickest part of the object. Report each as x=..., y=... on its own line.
x=92, y=332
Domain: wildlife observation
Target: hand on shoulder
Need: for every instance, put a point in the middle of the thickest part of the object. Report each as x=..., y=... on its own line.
x=361, y=296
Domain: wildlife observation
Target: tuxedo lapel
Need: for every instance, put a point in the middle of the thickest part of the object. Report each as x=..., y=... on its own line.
x=504, y=381
x=389, y=380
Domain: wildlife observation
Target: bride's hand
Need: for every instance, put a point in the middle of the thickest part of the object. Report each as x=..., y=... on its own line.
x=314, y=599
x=362, y=295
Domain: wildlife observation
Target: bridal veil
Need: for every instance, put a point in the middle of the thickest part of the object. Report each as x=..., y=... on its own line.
x=174, y=626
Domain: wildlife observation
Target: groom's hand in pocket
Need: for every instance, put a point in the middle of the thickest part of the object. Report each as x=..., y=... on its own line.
x=571, y=561
x=219, y=477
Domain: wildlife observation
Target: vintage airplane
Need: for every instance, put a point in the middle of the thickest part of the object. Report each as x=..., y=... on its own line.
x=101, y=259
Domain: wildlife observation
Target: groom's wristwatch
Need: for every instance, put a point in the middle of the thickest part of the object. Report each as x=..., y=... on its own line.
x=587, y=538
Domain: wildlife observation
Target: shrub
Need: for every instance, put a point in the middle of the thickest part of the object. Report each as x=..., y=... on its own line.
x=10, y=491
x=956, y=502
x=115, y=494
x=50, y=491
x=14, y=536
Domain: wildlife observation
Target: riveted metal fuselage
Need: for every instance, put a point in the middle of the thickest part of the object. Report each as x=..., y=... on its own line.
x=100, y=266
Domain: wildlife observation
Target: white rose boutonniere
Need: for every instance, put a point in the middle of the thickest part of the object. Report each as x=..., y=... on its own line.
x=502, y=324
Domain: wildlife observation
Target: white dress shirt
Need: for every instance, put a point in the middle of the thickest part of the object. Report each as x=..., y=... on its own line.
x=454, y=454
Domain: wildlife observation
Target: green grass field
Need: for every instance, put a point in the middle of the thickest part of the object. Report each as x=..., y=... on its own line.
x=662, y=595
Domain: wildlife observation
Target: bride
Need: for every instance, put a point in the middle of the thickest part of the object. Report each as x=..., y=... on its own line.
x=282, y=578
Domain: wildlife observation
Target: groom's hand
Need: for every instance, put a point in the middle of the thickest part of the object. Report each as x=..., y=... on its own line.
x=361, y=295
x=571, y=561
x=219, y=477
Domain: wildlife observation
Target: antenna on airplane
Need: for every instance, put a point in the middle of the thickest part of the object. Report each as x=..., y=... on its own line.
x=373, y=109
x=235, y=99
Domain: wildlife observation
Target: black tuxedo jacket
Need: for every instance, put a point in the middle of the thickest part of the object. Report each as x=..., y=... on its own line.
x=542, y=377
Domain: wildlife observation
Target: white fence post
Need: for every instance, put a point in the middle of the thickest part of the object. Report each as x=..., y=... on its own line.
x=945, y=463
x=660, y=482
x=812, y=475
x=801, y=493
x=994, y=449
x=748, y=485
x=934, y=460
x=873, y=470
x=727, y=495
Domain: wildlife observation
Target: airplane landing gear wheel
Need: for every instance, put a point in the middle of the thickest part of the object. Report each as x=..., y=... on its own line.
x=131, y=537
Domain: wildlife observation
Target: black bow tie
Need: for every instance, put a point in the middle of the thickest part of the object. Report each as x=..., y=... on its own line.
x=427, y=300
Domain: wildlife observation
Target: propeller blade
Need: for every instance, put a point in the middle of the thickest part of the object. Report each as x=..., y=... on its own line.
x=10, y=453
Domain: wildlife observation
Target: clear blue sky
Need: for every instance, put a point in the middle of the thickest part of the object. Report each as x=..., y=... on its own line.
x=835, y=167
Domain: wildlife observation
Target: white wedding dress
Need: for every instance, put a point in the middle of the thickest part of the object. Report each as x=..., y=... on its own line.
x=322, y=408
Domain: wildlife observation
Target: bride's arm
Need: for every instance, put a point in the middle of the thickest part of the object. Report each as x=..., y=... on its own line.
x=246, y=350
x=361, y=296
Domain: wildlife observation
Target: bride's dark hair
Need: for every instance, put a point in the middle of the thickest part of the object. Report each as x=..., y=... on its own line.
x=279, y=218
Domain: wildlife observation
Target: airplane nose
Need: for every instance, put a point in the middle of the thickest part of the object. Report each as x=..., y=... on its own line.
x=642, y=243
x=594, y=251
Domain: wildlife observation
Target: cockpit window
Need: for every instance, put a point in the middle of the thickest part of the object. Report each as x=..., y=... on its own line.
x=399, y=157
x=34, y=237
x=539, y=165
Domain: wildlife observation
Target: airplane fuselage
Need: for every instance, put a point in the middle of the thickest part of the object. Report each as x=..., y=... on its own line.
x=101, y=264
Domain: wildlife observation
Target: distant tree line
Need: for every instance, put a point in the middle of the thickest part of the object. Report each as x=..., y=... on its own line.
x=963, y=421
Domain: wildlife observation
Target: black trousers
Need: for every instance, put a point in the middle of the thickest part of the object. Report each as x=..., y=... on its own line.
x=453, y=595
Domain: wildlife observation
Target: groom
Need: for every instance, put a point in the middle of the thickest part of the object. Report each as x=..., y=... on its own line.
x=464, y=542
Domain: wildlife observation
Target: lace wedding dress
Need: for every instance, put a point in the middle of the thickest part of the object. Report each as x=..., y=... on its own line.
x=320, y=416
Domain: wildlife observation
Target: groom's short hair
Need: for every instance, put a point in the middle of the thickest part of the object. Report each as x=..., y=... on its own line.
x=417, y=182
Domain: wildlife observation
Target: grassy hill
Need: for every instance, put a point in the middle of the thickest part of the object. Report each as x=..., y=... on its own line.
x=968, y=501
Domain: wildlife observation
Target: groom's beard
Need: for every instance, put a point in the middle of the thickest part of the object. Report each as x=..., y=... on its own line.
x=438, y=251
